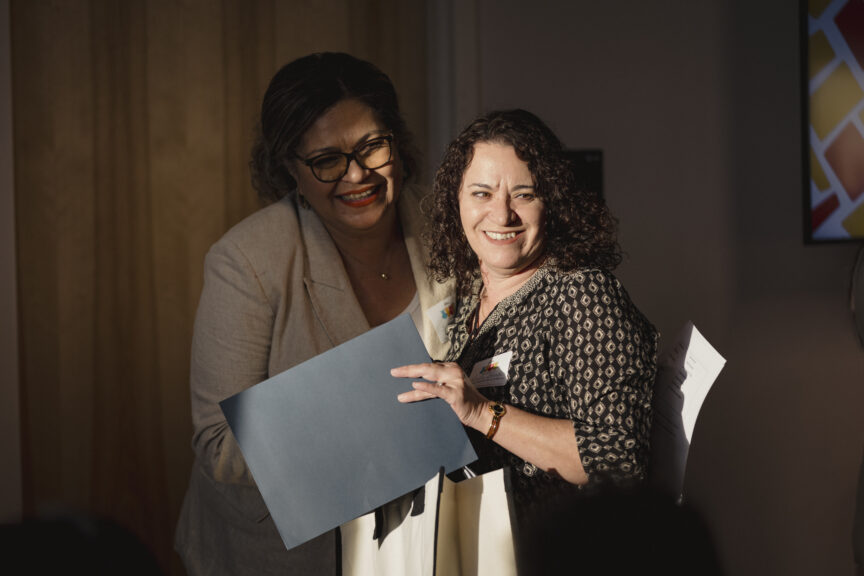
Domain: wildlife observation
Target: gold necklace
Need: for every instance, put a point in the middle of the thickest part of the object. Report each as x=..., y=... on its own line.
x=383, y=274
x=474, y=324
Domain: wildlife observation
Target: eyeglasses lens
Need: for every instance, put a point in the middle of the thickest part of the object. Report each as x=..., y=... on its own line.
x=371, y=155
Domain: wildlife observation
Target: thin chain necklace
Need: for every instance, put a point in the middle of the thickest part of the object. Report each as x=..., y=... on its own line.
x=474, y=323
x=383, y=274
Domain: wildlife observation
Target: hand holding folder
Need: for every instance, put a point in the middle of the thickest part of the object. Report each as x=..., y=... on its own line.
x=327, y=441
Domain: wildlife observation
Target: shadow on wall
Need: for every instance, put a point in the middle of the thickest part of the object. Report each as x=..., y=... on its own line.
x=858, y=528
x=74, y=544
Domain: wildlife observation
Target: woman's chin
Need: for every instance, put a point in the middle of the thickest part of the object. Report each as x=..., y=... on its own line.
x=365, y=218
x=507, y=267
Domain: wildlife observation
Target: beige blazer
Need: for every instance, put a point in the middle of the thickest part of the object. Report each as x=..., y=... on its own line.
x=275, y=294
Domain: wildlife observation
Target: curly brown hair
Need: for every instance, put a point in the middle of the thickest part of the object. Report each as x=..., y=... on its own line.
x=580, y=232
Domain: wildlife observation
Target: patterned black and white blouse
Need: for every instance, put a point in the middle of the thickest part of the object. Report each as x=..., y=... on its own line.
x=581, y=350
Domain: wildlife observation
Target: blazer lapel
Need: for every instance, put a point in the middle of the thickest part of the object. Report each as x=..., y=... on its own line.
x=436, y=300
x=329, y=289
x=333, y=299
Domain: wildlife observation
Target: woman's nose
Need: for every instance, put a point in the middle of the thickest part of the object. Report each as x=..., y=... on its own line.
x=356, y=172
x=502, y=212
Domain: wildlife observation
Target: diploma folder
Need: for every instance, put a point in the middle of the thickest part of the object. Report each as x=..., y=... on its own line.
x=327, y=441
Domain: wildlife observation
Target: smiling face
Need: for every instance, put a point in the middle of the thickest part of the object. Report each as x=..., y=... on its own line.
x=362, y=200
x=503, y=219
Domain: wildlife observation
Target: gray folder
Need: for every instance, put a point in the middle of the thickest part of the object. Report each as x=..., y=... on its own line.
x=327, y=441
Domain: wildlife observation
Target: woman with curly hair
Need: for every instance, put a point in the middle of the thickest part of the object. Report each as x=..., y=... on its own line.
x=551, y=365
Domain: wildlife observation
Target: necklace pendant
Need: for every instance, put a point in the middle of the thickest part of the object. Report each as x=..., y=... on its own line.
x=385, y=276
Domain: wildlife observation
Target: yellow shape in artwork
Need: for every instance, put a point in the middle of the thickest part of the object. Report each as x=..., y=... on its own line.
x=815, y=7
x=820, y=53
x=854, y=222
x=833, y=100
x=816, y=172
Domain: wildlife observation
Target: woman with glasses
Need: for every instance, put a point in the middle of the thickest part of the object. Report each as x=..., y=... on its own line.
x=551, y=365
x=335, y=253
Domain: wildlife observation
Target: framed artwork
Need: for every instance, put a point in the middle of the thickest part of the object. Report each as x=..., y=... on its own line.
x=832, y=83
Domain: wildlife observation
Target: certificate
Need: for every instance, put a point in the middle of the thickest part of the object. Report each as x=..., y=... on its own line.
x=327, y=441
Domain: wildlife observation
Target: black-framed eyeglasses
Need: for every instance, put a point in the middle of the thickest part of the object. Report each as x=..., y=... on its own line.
x=332, y=166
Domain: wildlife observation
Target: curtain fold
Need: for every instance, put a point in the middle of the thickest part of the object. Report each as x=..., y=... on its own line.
x=133, y=121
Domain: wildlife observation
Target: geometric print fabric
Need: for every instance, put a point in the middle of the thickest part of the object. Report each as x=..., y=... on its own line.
x=581, y=350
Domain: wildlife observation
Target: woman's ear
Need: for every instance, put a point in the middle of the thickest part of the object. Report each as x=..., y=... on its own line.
x=290, y=166
x=290, y=172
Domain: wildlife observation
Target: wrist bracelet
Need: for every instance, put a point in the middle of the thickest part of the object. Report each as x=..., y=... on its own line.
x=498, y=410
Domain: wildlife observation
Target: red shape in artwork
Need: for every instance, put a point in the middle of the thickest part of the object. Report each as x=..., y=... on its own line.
x=846, y=157
x=850, y=21
x=823, y=210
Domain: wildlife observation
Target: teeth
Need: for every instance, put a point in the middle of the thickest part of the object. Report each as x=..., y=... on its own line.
x=497, y=236
x=358, y=196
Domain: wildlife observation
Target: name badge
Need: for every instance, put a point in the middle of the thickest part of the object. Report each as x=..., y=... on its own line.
x=491, y=371
x=441, y=314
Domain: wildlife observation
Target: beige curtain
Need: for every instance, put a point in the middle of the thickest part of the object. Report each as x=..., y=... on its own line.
x=132, y=126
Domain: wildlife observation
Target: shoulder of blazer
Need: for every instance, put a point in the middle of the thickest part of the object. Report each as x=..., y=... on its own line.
x=272, y=227
x=270, y=243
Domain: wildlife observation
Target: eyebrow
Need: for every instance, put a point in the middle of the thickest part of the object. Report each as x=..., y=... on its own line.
x=362, y=140
x=488, y=187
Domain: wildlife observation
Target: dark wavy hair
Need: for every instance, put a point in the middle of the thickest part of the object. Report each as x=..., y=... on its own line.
x=580, y=231
x=303, y=90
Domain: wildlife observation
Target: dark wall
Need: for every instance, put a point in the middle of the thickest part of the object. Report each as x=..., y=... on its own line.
x=696, y=107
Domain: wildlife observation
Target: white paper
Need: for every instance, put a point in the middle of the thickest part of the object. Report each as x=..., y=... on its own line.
x=685, y=374
x=491, y=372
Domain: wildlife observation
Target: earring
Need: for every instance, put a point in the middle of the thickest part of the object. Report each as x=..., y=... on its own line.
x=303, y=202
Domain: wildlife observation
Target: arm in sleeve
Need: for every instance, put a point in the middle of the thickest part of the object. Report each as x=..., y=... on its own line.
x=230, y=352
x=607, y=357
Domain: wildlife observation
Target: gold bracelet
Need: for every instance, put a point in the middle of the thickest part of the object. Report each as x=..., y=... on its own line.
x=498, y=410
